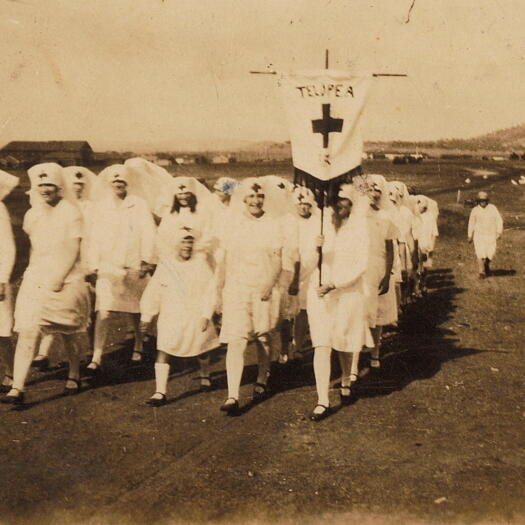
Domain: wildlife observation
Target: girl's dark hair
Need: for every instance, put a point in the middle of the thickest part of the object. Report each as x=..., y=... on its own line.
x=192, y=201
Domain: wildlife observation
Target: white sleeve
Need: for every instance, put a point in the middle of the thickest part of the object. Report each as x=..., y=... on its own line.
x=7, y=245
x=150, y=301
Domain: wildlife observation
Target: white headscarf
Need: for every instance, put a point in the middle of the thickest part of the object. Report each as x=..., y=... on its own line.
x=279, y=194
x=151, y=181
x=302, y=195
x=80, y=175
x=379, y=182
x=359, y=199
x=8, y=183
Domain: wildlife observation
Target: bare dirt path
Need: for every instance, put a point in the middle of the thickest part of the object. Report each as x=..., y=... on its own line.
x=438, y=435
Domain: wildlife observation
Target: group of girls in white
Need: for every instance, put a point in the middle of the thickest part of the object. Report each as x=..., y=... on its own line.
x=198, y=269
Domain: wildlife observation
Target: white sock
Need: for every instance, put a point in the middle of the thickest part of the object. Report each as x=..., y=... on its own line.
x=97, y=356
x=162, y=372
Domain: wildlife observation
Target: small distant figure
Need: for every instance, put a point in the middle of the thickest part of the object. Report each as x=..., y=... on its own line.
x=485, y=226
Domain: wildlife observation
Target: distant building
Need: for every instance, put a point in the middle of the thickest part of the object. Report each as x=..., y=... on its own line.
x=64, y=152
x=220, y=159
x=498, y=158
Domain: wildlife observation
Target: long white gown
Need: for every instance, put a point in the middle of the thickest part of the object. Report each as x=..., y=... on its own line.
x=251, y=255
x=485, y=225
x=49, y=229
x=426, y=232
x=123, y=235
x=7, y=262
x=181, y=293
x=338, y=320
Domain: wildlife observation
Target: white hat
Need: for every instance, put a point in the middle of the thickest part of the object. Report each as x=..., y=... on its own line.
x=46, y=173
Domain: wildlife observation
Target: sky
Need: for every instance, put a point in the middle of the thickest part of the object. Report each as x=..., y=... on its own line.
x=174, y=74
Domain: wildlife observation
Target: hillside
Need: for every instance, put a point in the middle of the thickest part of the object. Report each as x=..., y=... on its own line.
x=504, y=140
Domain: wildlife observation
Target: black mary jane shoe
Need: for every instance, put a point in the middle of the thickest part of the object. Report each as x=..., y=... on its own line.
x=40, y=364
x=231, y=409
x=319, y=416
x=157, y=402
x=346, y=399
x=6, y=388
x=71, y=391
x=92, y=371
x=260, y=392
x=14, y=400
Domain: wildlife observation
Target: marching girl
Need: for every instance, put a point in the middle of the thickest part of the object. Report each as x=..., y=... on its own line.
x=80, y=183
x=120, y=254
x=249, y=271
x=7, y=261
x=404, y=221
x=381, y=301
x=281, y=194
x=309, y=226
x=53, y=297
x=426, y=232
x=337, y=309
x=183, y=293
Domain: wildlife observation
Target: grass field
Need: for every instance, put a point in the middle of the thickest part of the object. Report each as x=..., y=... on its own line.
x=439, y=436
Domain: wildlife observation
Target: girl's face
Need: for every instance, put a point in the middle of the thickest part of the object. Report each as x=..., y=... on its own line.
x=50, y=193
x=343, y=208
x=120, y=188
x=186, y=248
x=223, y=197
x=184, y=198
x=374, y=194
x=78, y=188
x=254, y=203
x=304, y=209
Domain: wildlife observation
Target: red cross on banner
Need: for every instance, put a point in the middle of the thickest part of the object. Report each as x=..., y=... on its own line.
x=327, y=125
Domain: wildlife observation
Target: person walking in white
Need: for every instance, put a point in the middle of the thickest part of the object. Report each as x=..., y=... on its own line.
x=183, y=293
x=80, y=182
x=53, y=297
x=426, y=233
x=120, y=254
x=309, y=227
x=485, y=227
x=381, y=299
x=250, y=267
x=7, y=261
x=337, y=308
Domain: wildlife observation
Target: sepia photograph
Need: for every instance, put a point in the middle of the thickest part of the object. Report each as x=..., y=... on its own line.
x=261, y=262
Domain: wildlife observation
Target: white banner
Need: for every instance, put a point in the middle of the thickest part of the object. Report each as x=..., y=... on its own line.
x=324, y=108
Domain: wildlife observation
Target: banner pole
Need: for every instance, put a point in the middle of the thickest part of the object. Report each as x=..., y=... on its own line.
x=320, y=249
